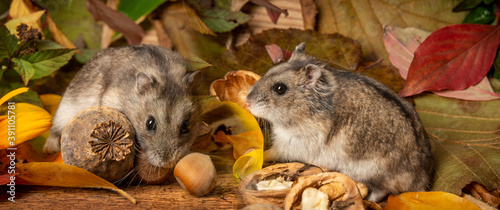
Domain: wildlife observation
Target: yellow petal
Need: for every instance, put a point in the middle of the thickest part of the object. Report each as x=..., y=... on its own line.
x=30, y=122
x=248, y=163
x=428, y=200
x=31, y=20
x=12, y=94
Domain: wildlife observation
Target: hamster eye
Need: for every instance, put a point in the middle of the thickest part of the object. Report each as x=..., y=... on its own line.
x=184, y=127
x=279, y=88
x=151, y=123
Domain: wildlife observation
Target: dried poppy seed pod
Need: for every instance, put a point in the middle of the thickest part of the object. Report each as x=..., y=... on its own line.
x=100, y=140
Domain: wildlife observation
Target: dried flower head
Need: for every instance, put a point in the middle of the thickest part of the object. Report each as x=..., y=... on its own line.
x=110, y=141
x=29, y=39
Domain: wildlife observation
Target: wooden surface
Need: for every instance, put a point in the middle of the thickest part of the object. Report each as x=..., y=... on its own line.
x=166, y=196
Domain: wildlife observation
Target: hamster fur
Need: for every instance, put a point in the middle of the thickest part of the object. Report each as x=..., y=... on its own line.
x=343, y=121
x=149, y=84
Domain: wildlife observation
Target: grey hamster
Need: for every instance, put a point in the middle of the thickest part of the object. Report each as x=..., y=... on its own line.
x=149, y=84
x=343, y=121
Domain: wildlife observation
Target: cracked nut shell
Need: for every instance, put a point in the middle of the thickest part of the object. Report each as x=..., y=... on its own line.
x=289, y=171
x=100, y=140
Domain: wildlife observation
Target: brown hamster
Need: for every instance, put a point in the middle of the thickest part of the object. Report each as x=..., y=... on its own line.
x=149, y=84
x=343, y=121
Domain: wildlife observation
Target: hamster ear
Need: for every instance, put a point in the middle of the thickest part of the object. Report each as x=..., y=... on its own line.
x=313, y=72
x=299, y=51
x=143, y=82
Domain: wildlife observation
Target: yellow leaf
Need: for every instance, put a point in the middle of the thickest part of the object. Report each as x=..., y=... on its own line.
x=428, y=200
x=12, y=94
x=239, y=119
x=20, y=8
x=30, y=122
x=58, y=35
x=247, y=141
x=248, y=163
x=62, y=175
x=25, y=153
x=242, y=142
x=195, y=22
x=50, y=102
x=31, y=20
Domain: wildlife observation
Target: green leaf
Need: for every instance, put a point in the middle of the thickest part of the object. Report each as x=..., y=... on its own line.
x=496, y=65
x=487, y=2
x=196, y=63
x=8, y=44
x=24, y=68
x=45, y=44
x=466, y=5
x=136, y=9
x=481, y=15
x=41, y=63
x=220, y=21
x=466, y=141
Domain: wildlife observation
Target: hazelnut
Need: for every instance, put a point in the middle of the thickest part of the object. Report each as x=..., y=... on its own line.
x=196, y=174
x=101, y=141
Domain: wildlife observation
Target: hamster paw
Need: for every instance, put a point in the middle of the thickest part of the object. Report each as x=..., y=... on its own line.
x=376, y=195
x=51, y=145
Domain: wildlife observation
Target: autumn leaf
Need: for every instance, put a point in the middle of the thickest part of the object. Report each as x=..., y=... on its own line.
x=401, y=45
x=75, y=22
x=273, y=11
x=116, y=20
x=62, y=175
x=428, y=200
x=247, y=139
x=363, y=20
x=25, y=153
x=276, y=54
x=19, y=8
x=264, y=18
x=30, y=20
x=454, y=58
x=58, y=35
x=465, y=139
x=188, y=40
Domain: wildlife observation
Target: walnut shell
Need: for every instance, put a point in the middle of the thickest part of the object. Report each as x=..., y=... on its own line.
x=290, y=171
x=351, y=194
x=100, y=140
x=234, y=87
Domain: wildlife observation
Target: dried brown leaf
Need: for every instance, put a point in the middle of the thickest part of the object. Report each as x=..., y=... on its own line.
x=116, y=20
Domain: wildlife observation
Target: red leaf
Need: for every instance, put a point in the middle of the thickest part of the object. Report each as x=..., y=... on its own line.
x=116, y=20
x=277, y=54
x=454, y=57
x=273, y=11
x=7, y=178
